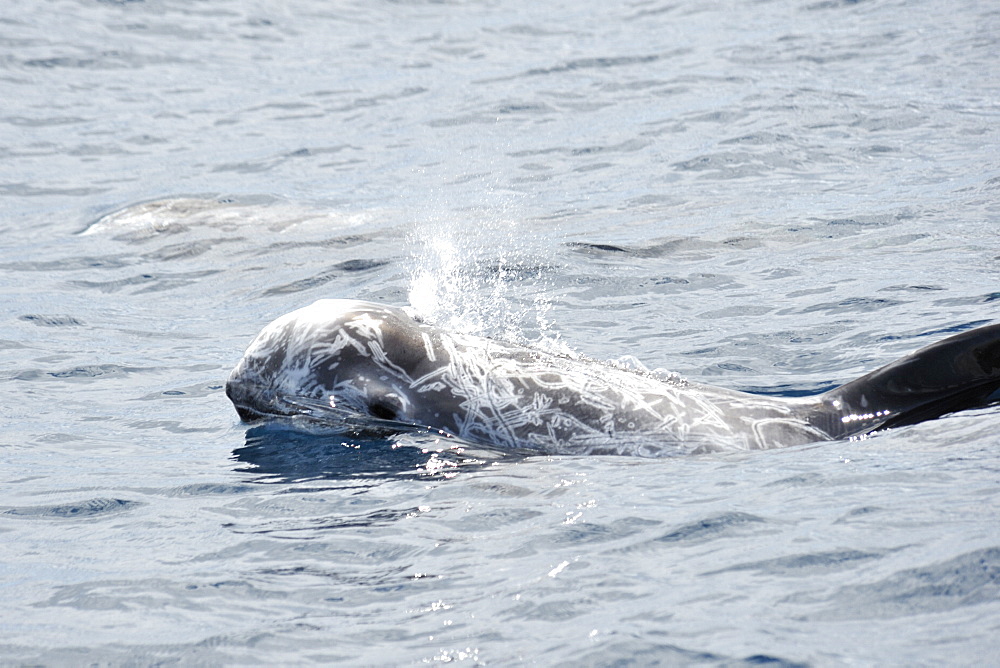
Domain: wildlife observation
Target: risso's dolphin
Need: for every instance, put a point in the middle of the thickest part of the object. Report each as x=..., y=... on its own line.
x=349, y=363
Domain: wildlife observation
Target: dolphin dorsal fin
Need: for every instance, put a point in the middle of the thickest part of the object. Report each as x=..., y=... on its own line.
x=957, y=373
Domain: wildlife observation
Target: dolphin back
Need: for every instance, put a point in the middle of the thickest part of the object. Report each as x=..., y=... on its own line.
x=957, y=373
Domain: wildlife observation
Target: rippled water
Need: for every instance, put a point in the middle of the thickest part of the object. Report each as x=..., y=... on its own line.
x=774, y=196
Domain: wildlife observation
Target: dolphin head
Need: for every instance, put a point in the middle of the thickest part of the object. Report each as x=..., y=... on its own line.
x=345, y=357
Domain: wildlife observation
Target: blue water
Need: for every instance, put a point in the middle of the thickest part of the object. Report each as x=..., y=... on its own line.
x=774, y=196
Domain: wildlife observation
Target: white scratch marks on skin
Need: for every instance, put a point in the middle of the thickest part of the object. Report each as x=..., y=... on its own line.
x=428, y=347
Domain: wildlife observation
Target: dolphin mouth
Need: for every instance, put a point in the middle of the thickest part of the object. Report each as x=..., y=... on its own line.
x=248, y=414
x=255, y=403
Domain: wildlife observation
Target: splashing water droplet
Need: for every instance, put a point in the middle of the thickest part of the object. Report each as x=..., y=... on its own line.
x=482, y=277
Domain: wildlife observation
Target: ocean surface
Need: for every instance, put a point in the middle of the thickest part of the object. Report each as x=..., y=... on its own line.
x=774, y=196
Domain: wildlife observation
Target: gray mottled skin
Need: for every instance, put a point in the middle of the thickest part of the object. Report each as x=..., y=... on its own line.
x=344, y=358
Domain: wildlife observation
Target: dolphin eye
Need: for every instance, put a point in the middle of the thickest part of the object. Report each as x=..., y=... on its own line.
x=383, y=410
